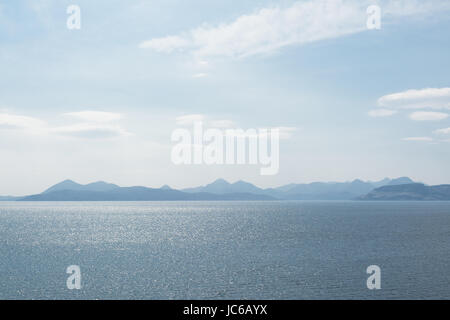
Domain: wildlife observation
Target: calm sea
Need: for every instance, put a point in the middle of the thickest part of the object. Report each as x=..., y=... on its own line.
x=225, y=250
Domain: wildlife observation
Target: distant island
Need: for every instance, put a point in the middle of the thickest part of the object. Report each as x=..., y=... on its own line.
x=408, y=192
x=220, y=190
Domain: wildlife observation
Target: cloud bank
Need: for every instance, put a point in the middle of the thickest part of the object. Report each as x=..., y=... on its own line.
x=429, y=98
x=96, y=125
x=95, y=116
x=425, y=99
x=419, y=139
x=428, y=116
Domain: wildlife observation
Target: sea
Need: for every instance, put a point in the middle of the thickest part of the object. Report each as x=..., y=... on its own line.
x=225, y=250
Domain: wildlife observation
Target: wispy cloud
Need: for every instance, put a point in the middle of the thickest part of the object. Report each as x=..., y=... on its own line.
x=381, y=113
x=87, y=130
x=95, y=116
x=429, y=98
x=428, y=116
x=272, y=28
x=95, y=125
x=17, y=121
x=166, y=44
x=433, y=98
x=418, y=139
x=442, y=131
x=200, y=75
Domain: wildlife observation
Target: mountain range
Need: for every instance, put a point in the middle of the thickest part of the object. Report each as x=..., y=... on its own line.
x=69, y=190
x=310, y=191
x=387, y=189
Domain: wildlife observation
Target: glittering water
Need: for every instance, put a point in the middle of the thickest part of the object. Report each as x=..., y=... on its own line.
x=220, y=250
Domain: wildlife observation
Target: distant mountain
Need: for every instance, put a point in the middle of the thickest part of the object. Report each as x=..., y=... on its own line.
x=329, y=190
x=413, y=191
x=71, y=185
x=310, y=191
x=221, y=186
x=333, y=190
x=399, y=181
x=381, y=183
x=220, y=189
x=136, y=194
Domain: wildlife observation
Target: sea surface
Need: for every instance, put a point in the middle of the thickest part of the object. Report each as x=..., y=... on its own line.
x=225, y=250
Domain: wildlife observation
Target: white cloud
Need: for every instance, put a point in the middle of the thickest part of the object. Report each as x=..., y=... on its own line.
x=166, y=44
x=203, y=63
x=272, y=28
x=423, y=139
x=87, y=130
x=442, y=131
x=200, y=75
x=381, y=113
x=22, y=122
x=93, y=129
x=434, y=98
x=428, y=116
x=95, y=116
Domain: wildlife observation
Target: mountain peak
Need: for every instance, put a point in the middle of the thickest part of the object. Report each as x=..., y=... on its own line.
x=63, y=185
x=220, y=181
x=67, y=181
x=401, y=180
x=71, y=185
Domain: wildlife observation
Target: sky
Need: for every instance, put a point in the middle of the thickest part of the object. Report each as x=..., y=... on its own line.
x=101, y=102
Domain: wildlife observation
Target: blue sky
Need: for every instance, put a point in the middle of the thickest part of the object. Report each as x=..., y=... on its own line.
x=355, y=103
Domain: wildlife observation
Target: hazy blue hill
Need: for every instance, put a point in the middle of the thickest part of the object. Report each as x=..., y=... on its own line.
x=137, y=194
x=309, y=191
x=71, y=185
x=286, y=187
x=402, y=180
x=321, y=196
x=8, y=198
x=414, y=191
x=220, y=189
x=329, y=191
x=221, y=186
x=335, y=190
x=381, y=183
